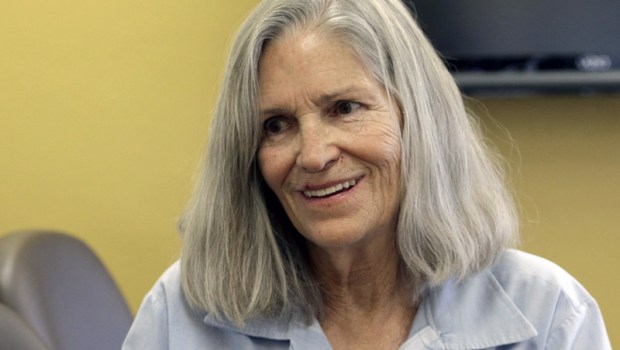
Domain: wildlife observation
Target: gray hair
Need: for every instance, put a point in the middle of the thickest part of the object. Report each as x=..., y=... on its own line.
x=241, y=256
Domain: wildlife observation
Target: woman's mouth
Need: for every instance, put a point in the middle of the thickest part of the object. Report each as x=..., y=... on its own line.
x=325, y=192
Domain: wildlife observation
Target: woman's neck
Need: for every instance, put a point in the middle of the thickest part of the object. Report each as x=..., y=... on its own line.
x=367, y=305
x=360, y=280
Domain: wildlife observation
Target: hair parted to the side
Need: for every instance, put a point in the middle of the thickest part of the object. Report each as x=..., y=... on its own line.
x=242, y=258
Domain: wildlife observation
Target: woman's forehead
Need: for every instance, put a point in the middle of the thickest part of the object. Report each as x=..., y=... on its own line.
x=318, y=65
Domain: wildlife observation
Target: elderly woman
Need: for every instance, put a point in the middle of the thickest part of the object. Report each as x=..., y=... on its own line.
x=348, y=202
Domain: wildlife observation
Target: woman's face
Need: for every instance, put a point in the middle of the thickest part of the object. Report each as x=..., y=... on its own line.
x=331, y=141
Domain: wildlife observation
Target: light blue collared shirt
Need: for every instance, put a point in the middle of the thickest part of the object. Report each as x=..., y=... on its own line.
x=522, y=302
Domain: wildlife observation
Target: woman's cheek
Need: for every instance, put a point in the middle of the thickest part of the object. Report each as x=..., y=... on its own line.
x=270, y=165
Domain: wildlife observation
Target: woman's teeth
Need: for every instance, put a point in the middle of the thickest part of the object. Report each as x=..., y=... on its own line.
x=330, y=190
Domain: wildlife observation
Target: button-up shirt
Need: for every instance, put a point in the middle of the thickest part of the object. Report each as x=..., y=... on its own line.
x=521, y=302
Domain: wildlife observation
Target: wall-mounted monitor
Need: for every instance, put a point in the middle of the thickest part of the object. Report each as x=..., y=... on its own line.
x=526, y=45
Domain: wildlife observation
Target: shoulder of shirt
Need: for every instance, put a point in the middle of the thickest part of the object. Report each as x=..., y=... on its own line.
x=521, y=298
x=172, y=275
x=191, y=325
x=168, y=293
x=167, y=288
x=517, y=269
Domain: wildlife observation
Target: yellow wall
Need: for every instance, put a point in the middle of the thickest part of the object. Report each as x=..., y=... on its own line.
x=104, y=109
x=566, y=174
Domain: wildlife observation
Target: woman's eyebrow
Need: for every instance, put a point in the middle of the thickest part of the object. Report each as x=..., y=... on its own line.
x=322, y=100
x=264, y=113
x=349, y=90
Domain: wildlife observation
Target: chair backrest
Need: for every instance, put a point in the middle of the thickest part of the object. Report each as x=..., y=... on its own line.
x=62, y=290
x=16, y=334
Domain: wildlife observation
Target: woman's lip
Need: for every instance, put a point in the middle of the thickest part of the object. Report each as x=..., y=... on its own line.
x=313, y=187
x=333, y=188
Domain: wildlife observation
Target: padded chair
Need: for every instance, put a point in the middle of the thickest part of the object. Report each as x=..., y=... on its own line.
x=58, y=286
x=16, y=334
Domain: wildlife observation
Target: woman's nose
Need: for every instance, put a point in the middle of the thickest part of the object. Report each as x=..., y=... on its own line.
x=317, y=151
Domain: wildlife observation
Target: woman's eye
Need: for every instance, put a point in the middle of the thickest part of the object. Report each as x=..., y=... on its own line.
x=346, y=107
x=274, y=125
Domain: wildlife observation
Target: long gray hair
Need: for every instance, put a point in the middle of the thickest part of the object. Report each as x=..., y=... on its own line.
x=241, y=256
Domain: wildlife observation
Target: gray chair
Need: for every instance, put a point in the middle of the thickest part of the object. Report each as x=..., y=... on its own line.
x=57, y=285
x=16, y=334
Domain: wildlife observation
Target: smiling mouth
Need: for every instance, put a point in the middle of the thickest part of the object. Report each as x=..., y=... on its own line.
x=326, y=192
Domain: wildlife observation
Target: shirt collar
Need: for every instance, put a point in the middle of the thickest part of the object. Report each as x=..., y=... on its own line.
x=270, y=329
x=473, y=314
x=299, y=334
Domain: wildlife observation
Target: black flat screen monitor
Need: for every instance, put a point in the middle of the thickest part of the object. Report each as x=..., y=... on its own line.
x=526, y=44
